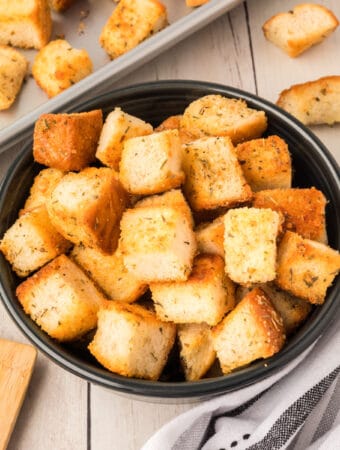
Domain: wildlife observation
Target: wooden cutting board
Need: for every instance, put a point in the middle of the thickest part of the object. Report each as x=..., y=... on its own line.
x=16, y=366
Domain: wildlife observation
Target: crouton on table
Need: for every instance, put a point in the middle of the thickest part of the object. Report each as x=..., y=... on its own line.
x=13, y=69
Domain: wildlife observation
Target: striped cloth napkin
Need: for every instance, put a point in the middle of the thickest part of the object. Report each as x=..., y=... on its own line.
x=296, y=409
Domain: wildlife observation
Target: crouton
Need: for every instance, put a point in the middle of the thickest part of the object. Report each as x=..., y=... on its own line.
x=118, y=127
x=131, y=22
x=250, y=244
x=313, y=102
x=157, y=243
x=109, y=273
x=210, y=237
x=196, y=350
x=57, y=66
x=152, y=164
x=26, y=24
x=215, y=115
x=194, y=3
x=174, y=123
x=61, y=299
x=266, y=163
x=67, y=141
x=60, y=5
x=86, y=208
x=132, y=341
x=253, y=330
x=204, y=297
x=13, y=69
x=213, y=176
x=303, y=209
x=301, y=28
x=32, y=241
x=306, y=268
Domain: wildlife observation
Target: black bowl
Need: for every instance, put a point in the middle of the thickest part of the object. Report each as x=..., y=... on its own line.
x=153, y=102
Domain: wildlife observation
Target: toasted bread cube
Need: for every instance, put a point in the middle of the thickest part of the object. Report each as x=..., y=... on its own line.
x=210, y=237
x=152, y=164
x=214, y=115
x=67, y=141
x=61, y=299
x=253, y=330
x=303, y=209
x=32, y=241
x=158, y=243
x=131, y=22
x=266, y=163
x=118, y=127
x=250, y=236
x=194, y=3
x=213, y=176
x=313, y=102
x=205, y=297
x=132, y=341
x=197, y=353
x=58, y=66
x=13, y=69
x=301, y=28
x=109, y=273
x=86, y=208
x=306, y=268
x=26, y=24
x=60, y=5
x=174, y=123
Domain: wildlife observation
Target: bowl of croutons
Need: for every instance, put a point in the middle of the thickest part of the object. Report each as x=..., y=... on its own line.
x=171, y=240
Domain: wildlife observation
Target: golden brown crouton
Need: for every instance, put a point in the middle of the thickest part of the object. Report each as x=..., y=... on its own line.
x=250, y=244
x=306, y=268
x=251, y=331
x=86, y=208
x=213, y=176
x=174, y=123
x=152, y=164
x=266, y=163
x=13, y=68
x=194, y=3
x=67, y=141
x=204, y=297
x=158, y=243
x=118, y=127
x=303, y=209
x=60, y=5
x=132, y=341
x=32, y=241
x=58, y=66
x=210, y=237
x=109, y=273
x=26, y=24
x=131, y=22
x=214, y=115
x=297, y=30
x=61, y=299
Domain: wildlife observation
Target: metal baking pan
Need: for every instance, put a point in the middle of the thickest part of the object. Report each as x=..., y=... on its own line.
x=81, y=27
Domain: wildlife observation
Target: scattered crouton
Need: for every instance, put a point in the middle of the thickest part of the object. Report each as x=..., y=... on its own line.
x=174, y=123
x=60, y=5
x=210, y=237
x=13, y=69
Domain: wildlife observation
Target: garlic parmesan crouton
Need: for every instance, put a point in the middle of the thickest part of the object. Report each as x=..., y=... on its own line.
x=157, y=243
x=58, y=66
x=32, y=241
x=174, y=123
x=253, y=330
x=213, y=176
x=210, y=237
x=109, y=273
x=13, y=68
x=250, y=244
x=67, y=141
x=297, y=30
x=313, y=102
x=61, y=299
x=266, y=163
x=118, y=127
x=131, y=22
x=204, y=297
x=215, y=115
x=196, y=350
x=152, y=164
x=132, y=341
x=306, y=268
x=303, y=210
x=26, y=24
x=86, y=208
x=60, y=5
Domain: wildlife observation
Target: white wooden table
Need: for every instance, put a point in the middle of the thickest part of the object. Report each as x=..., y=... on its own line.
x=62, y=411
